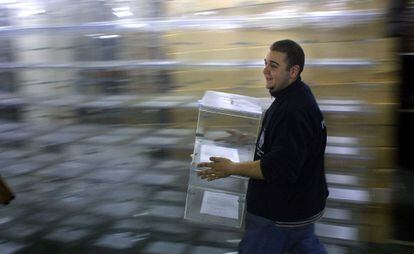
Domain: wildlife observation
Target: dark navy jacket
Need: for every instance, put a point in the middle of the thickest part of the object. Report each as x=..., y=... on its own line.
x=290, y=147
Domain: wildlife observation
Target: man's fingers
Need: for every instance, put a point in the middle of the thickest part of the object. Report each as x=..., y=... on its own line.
x=213, y=170
x=215, y=159
x=209, y=174
x=201, y=173
x=211, y=178
x=204, y=164
x=205, y=172
x=218, y=159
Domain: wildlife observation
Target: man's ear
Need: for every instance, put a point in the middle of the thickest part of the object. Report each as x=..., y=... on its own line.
x=294, y=71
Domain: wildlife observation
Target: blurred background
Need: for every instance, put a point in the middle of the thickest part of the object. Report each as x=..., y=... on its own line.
x=98, y=111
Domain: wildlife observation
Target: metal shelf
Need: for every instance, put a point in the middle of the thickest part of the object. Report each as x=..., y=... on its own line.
x=168, y=64
x=269, y=21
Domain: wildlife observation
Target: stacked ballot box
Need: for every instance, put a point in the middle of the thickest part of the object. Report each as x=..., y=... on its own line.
x=227, y=127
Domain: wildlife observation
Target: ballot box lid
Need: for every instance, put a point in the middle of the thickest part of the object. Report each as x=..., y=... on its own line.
x=233, y=104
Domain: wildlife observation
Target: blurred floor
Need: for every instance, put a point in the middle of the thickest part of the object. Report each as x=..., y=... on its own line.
x=96, y=189
x=117, y=189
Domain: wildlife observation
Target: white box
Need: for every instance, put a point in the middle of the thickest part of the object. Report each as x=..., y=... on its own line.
x=227, y=126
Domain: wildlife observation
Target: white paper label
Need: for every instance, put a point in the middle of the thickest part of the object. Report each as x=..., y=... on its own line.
x=207, y=151
x=220, y=204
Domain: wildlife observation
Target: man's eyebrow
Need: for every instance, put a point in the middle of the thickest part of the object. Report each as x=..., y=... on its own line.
x=272, y=62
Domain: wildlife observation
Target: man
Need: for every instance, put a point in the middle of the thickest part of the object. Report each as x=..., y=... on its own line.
x=287, y=187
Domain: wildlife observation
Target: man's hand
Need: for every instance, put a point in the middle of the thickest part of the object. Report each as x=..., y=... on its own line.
x=218, y=168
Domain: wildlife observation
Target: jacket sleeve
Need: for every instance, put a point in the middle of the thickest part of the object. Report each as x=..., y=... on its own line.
x=289, y=149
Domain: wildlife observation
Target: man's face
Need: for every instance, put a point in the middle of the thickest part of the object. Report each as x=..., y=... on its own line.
x=276, y=72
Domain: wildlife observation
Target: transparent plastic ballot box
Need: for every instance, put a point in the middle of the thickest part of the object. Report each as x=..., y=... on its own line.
x=227, y=126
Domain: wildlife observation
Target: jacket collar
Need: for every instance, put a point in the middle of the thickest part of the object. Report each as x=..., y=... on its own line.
x=280, y=95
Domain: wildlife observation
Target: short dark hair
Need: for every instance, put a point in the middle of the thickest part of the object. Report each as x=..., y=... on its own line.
x=294, y=53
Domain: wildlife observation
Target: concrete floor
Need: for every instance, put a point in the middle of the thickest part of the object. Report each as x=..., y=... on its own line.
x=96, y=189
